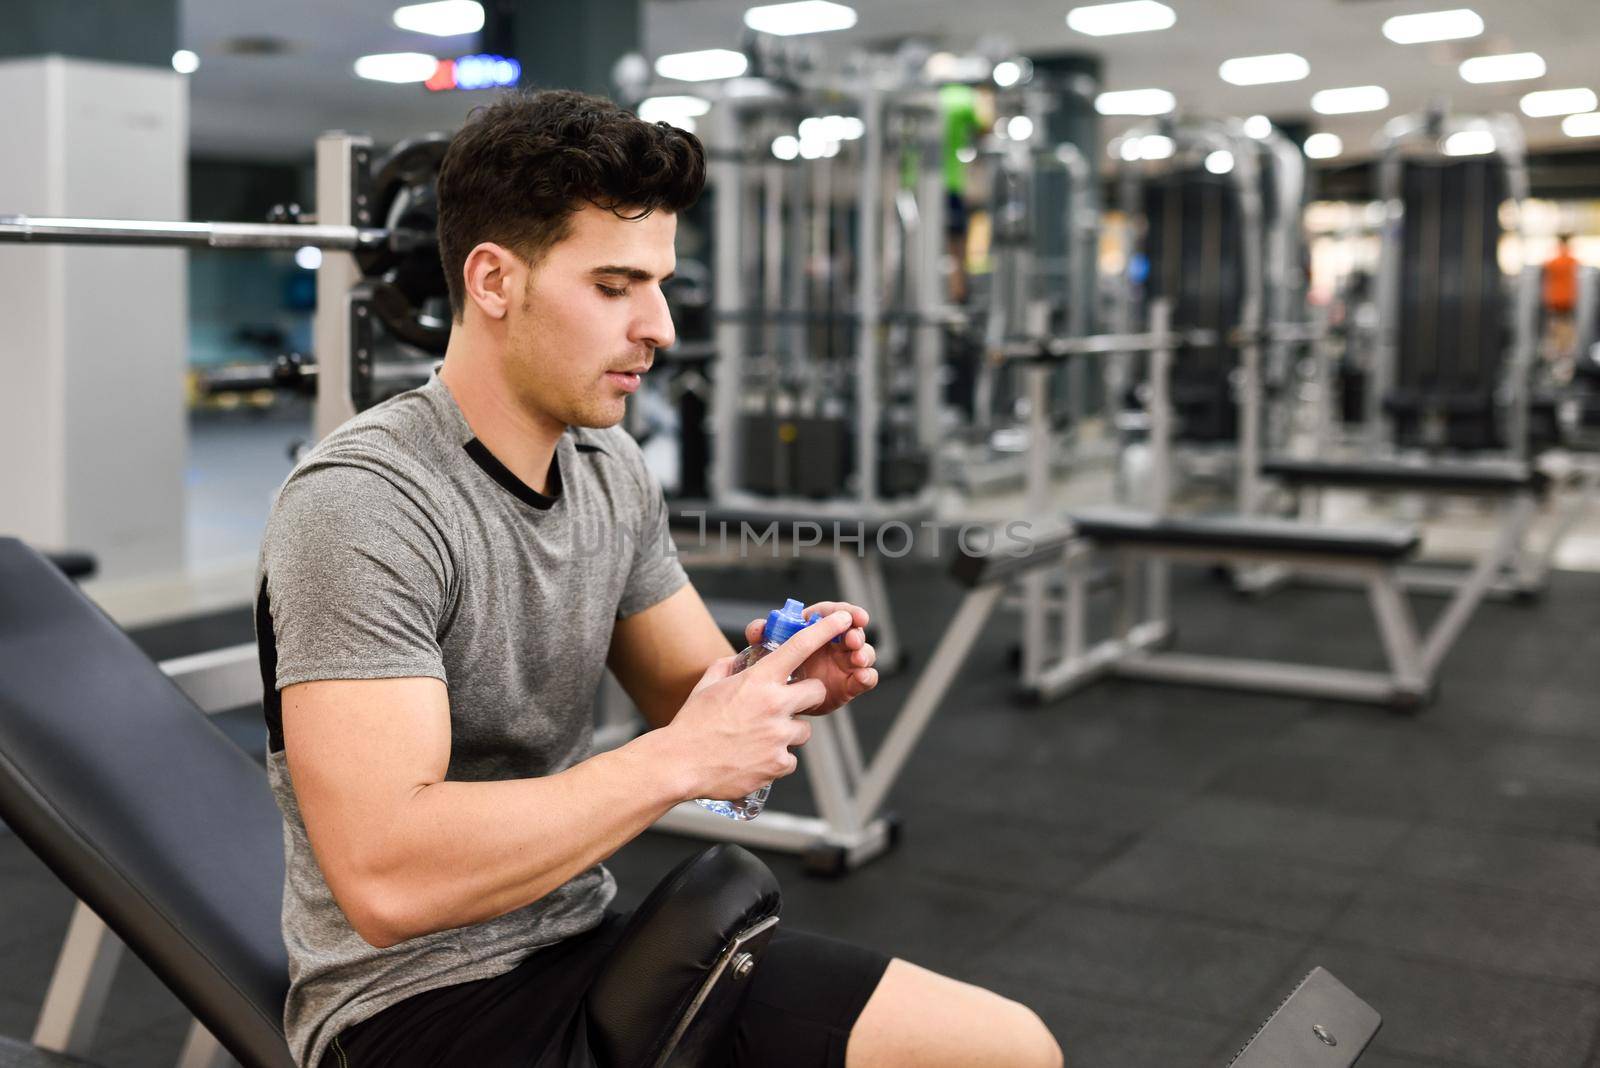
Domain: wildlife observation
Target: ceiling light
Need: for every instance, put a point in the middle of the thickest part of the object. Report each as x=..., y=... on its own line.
x=1220, y=161
x=832, y=128
x=1434, y=26
x=185, y=61
x=1020, y=128
x=1135, y=102
x=443, y=18
x=1258, y=127
x=786, y=146
x=1350, y=100
x=1263, y=70
x=679, y=111
x=397, y=67
x=1582, y=125
x=702, y=66
x=1515, y=67
x=1323, y=146
x=1469, y=143
x=1128, y=149
x=1155, y=146
x=805, y=16
x=308, y=257
x=1007, y=72
x=1549, y=102
x=1134, y=16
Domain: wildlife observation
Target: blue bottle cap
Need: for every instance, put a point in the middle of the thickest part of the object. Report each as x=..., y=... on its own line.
x=783, y=623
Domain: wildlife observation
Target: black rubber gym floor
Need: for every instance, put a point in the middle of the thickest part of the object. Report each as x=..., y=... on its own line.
x=1152, y=868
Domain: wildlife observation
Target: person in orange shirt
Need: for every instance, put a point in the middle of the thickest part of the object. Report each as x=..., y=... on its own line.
x=1560, y=300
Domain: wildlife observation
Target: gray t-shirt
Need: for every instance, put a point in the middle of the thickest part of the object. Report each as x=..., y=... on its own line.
x=401, y=547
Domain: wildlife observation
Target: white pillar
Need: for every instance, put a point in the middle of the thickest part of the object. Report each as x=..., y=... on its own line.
x=93, y=342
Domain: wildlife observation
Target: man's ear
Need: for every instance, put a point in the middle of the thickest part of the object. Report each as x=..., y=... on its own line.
x=492, y=273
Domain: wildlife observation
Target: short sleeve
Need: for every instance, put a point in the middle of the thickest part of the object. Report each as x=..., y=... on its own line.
x=355, y=579
x=655, y=572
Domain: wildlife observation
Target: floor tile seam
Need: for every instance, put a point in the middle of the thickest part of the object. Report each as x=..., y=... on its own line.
x=1262, y=853
x=1179, y=912
x=1591, y=986
x=1514, y=830
x=1421, y=881
x=1162, y=912
x=1099, y=996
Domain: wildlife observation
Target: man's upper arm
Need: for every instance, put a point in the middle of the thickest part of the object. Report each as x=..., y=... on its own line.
x=356, y=579
x=660, y=653
x=357, y=751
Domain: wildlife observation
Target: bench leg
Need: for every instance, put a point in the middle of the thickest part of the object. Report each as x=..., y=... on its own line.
x=78, y=990
x=1449, y=625
x=1398, y=631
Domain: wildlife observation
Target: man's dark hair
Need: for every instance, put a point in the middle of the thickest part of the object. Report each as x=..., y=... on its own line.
x=521, y=167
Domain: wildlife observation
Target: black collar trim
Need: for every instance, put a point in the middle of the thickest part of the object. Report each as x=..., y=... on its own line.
x=511, y=483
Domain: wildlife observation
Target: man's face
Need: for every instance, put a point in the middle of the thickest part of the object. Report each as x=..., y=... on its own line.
x=592, y=316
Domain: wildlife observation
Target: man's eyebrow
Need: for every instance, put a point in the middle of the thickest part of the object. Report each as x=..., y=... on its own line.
x=634, y=274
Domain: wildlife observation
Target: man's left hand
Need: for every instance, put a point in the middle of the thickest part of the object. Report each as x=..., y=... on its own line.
x=845, y=667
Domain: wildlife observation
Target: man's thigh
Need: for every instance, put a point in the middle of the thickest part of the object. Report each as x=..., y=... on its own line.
x=917, y=1017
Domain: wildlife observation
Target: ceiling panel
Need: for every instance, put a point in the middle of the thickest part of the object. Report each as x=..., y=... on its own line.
x=272, y=106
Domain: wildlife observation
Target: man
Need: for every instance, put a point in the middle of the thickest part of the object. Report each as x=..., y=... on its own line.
x=442, y=582
x=1560, y=302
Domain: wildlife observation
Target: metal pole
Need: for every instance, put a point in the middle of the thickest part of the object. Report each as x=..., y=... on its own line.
x=1382, y=376
x=340, y=158
x=870, y=208
x=1519, y=373
x=929, y=352
x=1161, y=407
x=1247, y=178
x=728, y=296
x=61, y=231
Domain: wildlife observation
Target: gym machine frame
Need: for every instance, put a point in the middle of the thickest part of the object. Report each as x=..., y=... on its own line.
x=1516, y=569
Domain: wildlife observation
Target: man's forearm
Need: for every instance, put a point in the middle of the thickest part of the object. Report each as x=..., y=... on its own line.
x=464, y=852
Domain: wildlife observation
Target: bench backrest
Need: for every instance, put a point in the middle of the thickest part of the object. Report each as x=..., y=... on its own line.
x=147, y=811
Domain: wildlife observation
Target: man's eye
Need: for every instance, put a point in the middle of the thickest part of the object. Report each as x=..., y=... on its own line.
x=610, y=291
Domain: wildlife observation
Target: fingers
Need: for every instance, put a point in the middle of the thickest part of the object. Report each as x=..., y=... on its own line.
x=788, y=657
x=858, y=615
x=801, y=735
x=803, y=695
x=754, y=630
x=861, y=681
x=864, y=657
x=716, y=671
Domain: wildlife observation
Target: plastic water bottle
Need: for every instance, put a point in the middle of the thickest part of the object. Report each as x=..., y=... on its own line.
x=782, y=624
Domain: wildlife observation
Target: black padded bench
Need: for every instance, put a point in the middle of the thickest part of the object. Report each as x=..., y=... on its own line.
x=1517, y=485
x=1141, y=547
x=1493, y=477
x=1279, y=537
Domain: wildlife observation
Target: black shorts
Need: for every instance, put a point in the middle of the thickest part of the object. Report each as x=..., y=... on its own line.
x=803, y=1000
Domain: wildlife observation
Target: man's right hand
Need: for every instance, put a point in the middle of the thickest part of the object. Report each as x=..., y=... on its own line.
x=735, y=732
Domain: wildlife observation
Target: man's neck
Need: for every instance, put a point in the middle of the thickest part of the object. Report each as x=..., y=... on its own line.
x=525, y=442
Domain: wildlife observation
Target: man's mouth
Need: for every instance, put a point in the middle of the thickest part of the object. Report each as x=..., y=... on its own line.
x=628, y=380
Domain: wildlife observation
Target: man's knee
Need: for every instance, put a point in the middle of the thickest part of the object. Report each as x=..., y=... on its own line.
x=1038, y=1044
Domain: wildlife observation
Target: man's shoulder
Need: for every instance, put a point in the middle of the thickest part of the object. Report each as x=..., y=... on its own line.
x=394, y=455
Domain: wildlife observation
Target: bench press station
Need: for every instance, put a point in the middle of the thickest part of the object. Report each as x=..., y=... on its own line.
x=1144, y=544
